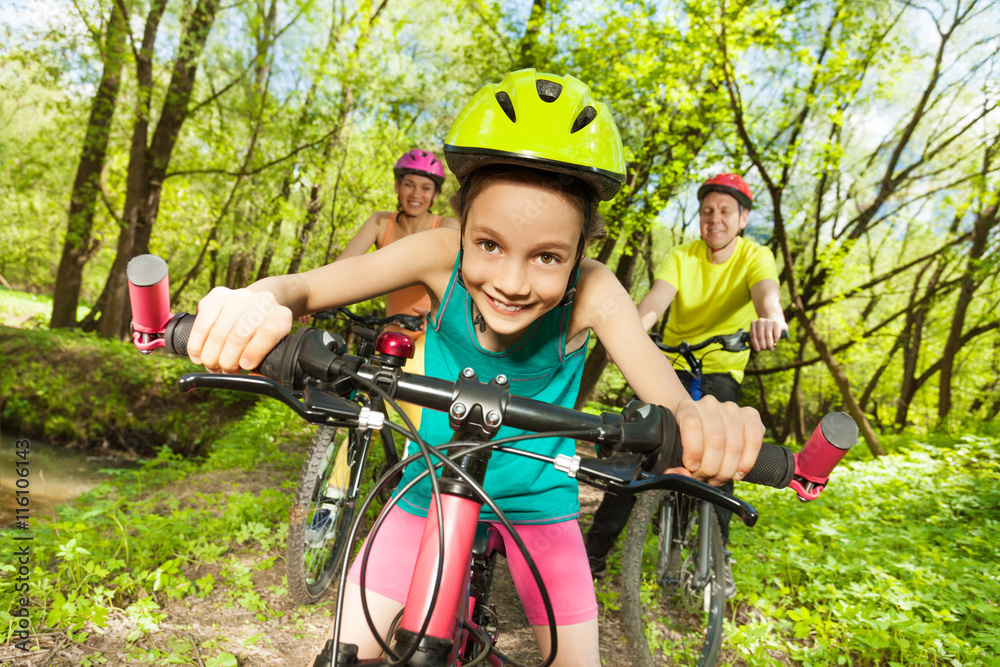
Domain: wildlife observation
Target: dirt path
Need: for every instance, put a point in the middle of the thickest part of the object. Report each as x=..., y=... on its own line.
x=220, y=631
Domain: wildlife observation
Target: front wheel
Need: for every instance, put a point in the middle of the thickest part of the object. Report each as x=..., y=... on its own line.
x=320, y=518
x=673, y=549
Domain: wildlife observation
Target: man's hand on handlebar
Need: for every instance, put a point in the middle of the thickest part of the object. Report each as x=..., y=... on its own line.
x=764, y=333
x=235, y=329
x=721, y=440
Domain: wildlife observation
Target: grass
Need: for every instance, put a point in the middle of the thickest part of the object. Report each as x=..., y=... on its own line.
x=896, y=563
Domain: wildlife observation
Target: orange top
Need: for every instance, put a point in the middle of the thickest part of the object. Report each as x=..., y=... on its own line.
x=410, y=300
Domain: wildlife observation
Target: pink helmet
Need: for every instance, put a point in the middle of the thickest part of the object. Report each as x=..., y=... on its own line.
x=422, y=163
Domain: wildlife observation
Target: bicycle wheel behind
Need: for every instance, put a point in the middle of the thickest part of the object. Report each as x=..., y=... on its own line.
x=321, y=515
x=673, y=548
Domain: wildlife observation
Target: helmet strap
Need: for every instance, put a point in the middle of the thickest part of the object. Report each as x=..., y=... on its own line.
x=575, y=273
x=462, y=194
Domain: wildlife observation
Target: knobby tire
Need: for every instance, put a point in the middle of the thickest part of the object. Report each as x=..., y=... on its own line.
x=682, y=632
x=314, y=555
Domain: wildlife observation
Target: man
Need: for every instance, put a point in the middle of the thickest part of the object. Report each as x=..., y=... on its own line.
x=717, y=285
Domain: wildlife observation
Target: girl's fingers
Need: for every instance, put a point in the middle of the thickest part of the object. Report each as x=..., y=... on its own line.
x=276, y=325
x=753, y=438
x=689, y=423
x=715, y=439
x=208, y=311
x=236, y=329
x=225, y=341
x=721, y=440
x=732, y=421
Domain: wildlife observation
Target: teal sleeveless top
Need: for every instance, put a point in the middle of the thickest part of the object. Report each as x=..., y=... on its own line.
x=538, y=367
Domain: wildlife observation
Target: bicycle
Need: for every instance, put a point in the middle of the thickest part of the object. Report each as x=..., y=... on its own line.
x=332, y=475
x=683, y=539
x=447, y=618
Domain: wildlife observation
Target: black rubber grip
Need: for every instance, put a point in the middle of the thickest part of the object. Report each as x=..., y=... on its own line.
x=177, y=333
x=279, y=364
x=774, y=467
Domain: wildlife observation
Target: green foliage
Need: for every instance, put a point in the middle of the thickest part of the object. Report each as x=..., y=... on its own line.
x=28, y=311
x=254, y=439
x=894, y=564
x=67, y=386
x=132, y=544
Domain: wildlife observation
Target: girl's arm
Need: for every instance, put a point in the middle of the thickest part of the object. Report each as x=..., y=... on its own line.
x=721, y=440
x=235, y=329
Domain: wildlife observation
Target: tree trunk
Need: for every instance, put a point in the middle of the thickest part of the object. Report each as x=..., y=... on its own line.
x=795, y=413
x=313, y=209
x=78, y=246
x=985, y=221
x=337, y=30
x=136, y=178
x=148, y=166
x=819, y=343
x=912, y=339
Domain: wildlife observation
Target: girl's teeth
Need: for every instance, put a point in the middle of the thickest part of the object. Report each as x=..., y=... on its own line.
x=506, y=308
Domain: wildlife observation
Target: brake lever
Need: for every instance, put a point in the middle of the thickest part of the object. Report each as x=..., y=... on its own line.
x=736, y=342
x=316, y=408
x=692, y=487
x=625, y=478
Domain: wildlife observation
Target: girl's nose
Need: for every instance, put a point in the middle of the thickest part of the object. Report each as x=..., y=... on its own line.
x=511, y=279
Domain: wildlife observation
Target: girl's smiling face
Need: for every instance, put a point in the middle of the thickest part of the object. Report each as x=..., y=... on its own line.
x=520, y=245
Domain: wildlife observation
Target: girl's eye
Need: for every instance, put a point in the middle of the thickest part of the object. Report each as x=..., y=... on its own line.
x=548, y=259
x=489, y=246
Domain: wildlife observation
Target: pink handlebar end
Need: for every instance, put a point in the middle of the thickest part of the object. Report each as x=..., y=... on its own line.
x=149, y=293
x=832, y=438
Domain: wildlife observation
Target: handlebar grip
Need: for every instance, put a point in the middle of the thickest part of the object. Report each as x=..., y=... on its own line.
x=177, y=333
x=306, y=351
x=775, y=467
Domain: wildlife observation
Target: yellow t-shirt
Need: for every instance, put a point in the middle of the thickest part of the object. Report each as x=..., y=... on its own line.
x=714, y=299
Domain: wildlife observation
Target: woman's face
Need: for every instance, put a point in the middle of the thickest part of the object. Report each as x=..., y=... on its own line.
x=520, y=245
x=416, y=194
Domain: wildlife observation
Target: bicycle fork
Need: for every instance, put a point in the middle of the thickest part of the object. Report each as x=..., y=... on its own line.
x=674, y=526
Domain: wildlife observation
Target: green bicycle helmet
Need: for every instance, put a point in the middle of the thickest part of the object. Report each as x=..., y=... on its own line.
x=543, y=121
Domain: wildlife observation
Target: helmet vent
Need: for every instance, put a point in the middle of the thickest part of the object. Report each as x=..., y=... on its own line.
x=503, y=99
x=549, y=91
x=585, y=118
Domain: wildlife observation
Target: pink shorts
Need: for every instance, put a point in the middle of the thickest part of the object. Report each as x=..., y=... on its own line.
x=557, y=549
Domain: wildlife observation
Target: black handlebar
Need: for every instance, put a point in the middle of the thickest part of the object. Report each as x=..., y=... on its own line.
x=316, y=355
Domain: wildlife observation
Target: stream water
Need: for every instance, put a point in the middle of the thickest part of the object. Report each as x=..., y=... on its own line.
x=57, y=474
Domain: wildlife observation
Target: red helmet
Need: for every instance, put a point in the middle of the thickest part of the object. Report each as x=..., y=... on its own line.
x=728, y=184
x=421, y=163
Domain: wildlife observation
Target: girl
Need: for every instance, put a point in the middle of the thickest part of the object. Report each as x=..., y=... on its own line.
x=511, y=292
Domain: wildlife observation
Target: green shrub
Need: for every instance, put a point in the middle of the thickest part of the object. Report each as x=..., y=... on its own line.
x=71, y=387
